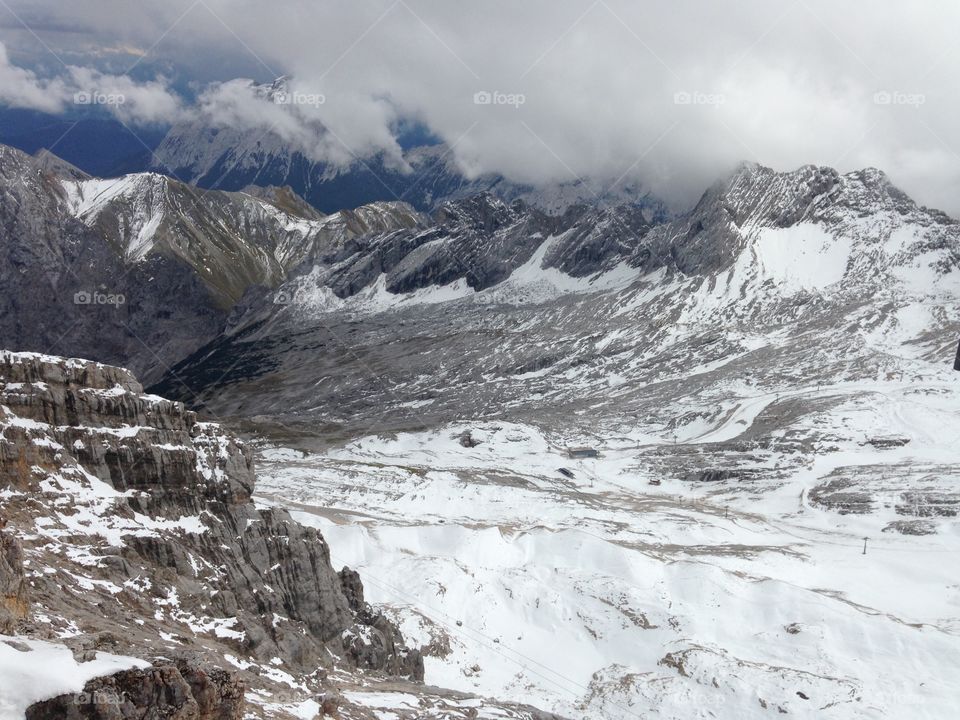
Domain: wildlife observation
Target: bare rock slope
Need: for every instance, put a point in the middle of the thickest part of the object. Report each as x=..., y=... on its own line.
x=139, y=537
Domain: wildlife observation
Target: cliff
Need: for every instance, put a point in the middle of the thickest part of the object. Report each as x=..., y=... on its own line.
x=129, y=527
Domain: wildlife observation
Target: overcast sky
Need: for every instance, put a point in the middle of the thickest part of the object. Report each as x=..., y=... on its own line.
x=672, y=94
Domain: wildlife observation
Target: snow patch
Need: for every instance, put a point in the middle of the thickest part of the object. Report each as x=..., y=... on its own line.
x=46, y=670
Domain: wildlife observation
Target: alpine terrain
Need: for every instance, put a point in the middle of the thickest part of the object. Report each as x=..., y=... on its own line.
x=471, y=454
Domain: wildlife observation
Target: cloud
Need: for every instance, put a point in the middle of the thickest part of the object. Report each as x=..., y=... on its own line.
x=135, y=102
x=669, y=94
x=21, y=88
x=358, y=127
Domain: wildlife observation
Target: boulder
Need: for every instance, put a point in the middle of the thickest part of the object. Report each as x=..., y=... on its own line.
x=175, y=690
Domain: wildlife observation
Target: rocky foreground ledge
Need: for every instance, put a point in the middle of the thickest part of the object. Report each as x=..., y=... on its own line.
x=129, y=537
x=139, y=580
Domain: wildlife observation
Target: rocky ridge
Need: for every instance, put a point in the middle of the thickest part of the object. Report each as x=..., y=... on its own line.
x=139, y=536
x=180, y=689
x=128, y=532
x=143, y=269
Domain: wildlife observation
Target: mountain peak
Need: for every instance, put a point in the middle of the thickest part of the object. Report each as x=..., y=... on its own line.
x=867, y=189
x=273, y=90
x=284, y=198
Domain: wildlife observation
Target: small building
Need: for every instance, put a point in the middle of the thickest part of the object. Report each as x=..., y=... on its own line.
x=582, y=452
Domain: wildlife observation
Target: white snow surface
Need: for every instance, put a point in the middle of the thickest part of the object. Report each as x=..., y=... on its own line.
x=87, y=199
x=45, y=670
x=804, y=256
x=604, y=597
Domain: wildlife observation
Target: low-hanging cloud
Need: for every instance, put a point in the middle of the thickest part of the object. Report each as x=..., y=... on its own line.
x=22, y=88
x=135, y=102
x=668, y=94
x=295, y=114
x=145, y=102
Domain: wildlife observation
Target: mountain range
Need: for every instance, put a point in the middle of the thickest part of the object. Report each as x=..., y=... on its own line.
x=571, y=450
x=147, y=271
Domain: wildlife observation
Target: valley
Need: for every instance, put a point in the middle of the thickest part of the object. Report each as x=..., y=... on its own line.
x=602, y=595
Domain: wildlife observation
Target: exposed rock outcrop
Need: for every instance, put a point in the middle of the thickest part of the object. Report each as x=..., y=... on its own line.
x=13, y=585
x=138, y=521
x=180, y=690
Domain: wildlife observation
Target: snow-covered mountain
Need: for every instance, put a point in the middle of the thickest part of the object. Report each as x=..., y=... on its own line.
x=232, y=240
x=171, y=262
x=847, y=260
x=143, y=269
x=766, y=383
x=763, y=385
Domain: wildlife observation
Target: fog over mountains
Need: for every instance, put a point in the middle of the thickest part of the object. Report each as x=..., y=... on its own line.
x=666, y=98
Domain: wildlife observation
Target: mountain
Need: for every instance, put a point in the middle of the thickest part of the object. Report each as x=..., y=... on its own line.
x=712, y=468
x=143, y=269
x=763, y=254
x=596, y=461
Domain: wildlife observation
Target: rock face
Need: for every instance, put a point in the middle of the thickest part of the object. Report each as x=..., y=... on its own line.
x=13, y=585
x=956, y=363
x=167, y=690
x=131, y=503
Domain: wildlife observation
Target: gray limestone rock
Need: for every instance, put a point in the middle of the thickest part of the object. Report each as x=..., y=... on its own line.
x=14, y=604
x=175, y=690
x=88, y=452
